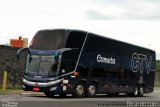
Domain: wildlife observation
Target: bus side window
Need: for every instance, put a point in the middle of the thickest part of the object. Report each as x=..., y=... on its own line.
x=125, y=74
x=67, y=66
x=54, y=66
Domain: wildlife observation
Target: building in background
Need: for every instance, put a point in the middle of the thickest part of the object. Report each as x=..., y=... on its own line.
x=19, y=43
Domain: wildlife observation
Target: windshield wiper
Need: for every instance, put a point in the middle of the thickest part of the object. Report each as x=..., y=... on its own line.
x=30, y=73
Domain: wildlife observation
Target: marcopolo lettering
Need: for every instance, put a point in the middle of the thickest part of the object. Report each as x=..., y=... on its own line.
x=105, y=60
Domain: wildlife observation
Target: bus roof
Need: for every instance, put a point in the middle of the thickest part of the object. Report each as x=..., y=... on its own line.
x=102, y=36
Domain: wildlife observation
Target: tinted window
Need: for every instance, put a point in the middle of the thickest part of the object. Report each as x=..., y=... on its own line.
x=101, y=44
x=126, y=74
x=108, y=73
x=49, y=40
x=75, y=40
x=126, y=50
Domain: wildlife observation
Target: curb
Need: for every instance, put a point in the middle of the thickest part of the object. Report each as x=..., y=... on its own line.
x=31, y=93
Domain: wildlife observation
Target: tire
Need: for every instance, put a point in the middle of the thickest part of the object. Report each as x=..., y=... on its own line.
x=79, y=90
x=140, y=91
x=135, y=91
x=129, y=94
x=92, y=89
x=112, y=94
x=62, y=95
x=109, y=94
x=49, y=94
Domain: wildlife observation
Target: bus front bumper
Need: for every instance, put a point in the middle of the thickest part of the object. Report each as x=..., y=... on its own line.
x=56, y=86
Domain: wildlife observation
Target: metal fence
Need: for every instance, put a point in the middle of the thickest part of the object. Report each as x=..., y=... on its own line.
x=14, y=68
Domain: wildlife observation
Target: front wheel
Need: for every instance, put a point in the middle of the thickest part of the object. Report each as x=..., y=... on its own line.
x=49, y=94
x=135, y=91
x=63, y=95
x=141, y=91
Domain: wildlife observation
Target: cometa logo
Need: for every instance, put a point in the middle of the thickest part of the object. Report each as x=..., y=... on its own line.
x=105, y=60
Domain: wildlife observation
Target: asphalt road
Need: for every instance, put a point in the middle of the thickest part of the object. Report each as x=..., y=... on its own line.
x=40, y=100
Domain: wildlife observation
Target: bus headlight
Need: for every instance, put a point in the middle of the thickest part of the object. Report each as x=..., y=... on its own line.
x=53, y=88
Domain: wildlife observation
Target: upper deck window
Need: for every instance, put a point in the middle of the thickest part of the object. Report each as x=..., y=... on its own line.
x=75, y=39
x=49, y=40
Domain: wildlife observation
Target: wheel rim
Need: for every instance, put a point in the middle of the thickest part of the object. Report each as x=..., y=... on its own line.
x=49, y=94
x=141, y=90
x=136, y=91
x=92, y=90
x=79, y=89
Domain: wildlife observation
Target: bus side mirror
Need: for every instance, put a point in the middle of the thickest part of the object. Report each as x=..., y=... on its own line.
x=56, y=55
x=19, y=52
x=30, y=58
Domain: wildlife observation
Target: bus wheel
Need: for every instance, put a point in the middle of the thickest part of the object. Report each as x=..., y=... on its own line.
x=49, y=94
x=80, y=90
x=62, y=95
x=91, y=90
x=135, y=91
x=141, y=91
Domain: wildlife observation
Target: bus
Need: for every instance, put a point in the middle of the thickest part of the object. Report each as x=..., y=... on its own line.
x=67, y=61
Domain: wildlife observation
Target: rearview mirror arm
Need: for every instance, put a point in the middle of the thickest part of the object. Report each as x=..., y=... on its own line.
x=19, y=52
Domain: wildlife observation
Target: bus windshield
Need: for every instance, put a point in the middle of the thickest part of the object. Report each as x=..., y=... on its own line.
x=41, y=66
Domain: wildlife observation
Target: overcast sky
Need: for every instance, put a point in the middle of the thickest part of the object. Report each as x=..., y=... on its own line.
x=133, y=21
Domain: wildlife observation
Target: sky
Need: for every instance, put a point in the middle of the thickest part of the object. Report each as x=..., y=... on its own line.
x=132, y=21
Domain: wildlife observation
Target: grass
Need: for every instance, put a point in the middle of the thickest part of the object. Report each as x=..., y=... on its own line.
x=11, y=91
x=14, y=89
x=158, y=65
x=157, y=85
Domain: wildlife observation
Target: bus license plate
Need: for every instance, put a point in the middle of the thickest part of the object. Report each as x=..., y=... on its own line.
x=35, y=89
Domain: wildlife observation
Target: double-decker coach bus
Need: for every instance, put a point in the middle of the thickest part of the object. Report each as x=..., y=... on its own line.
x=62, y=61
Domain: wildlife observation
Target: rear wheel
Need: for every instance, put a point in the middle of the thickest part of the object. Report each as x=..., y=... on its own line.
x=79, y=90
x=141, y=91
x=49, y=94
x=112, y=94
x=91, y=90
x=135, y=91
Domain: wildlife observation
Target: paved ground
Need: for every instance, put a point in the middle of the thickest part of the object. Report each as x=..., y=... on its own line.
x=39, y=100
